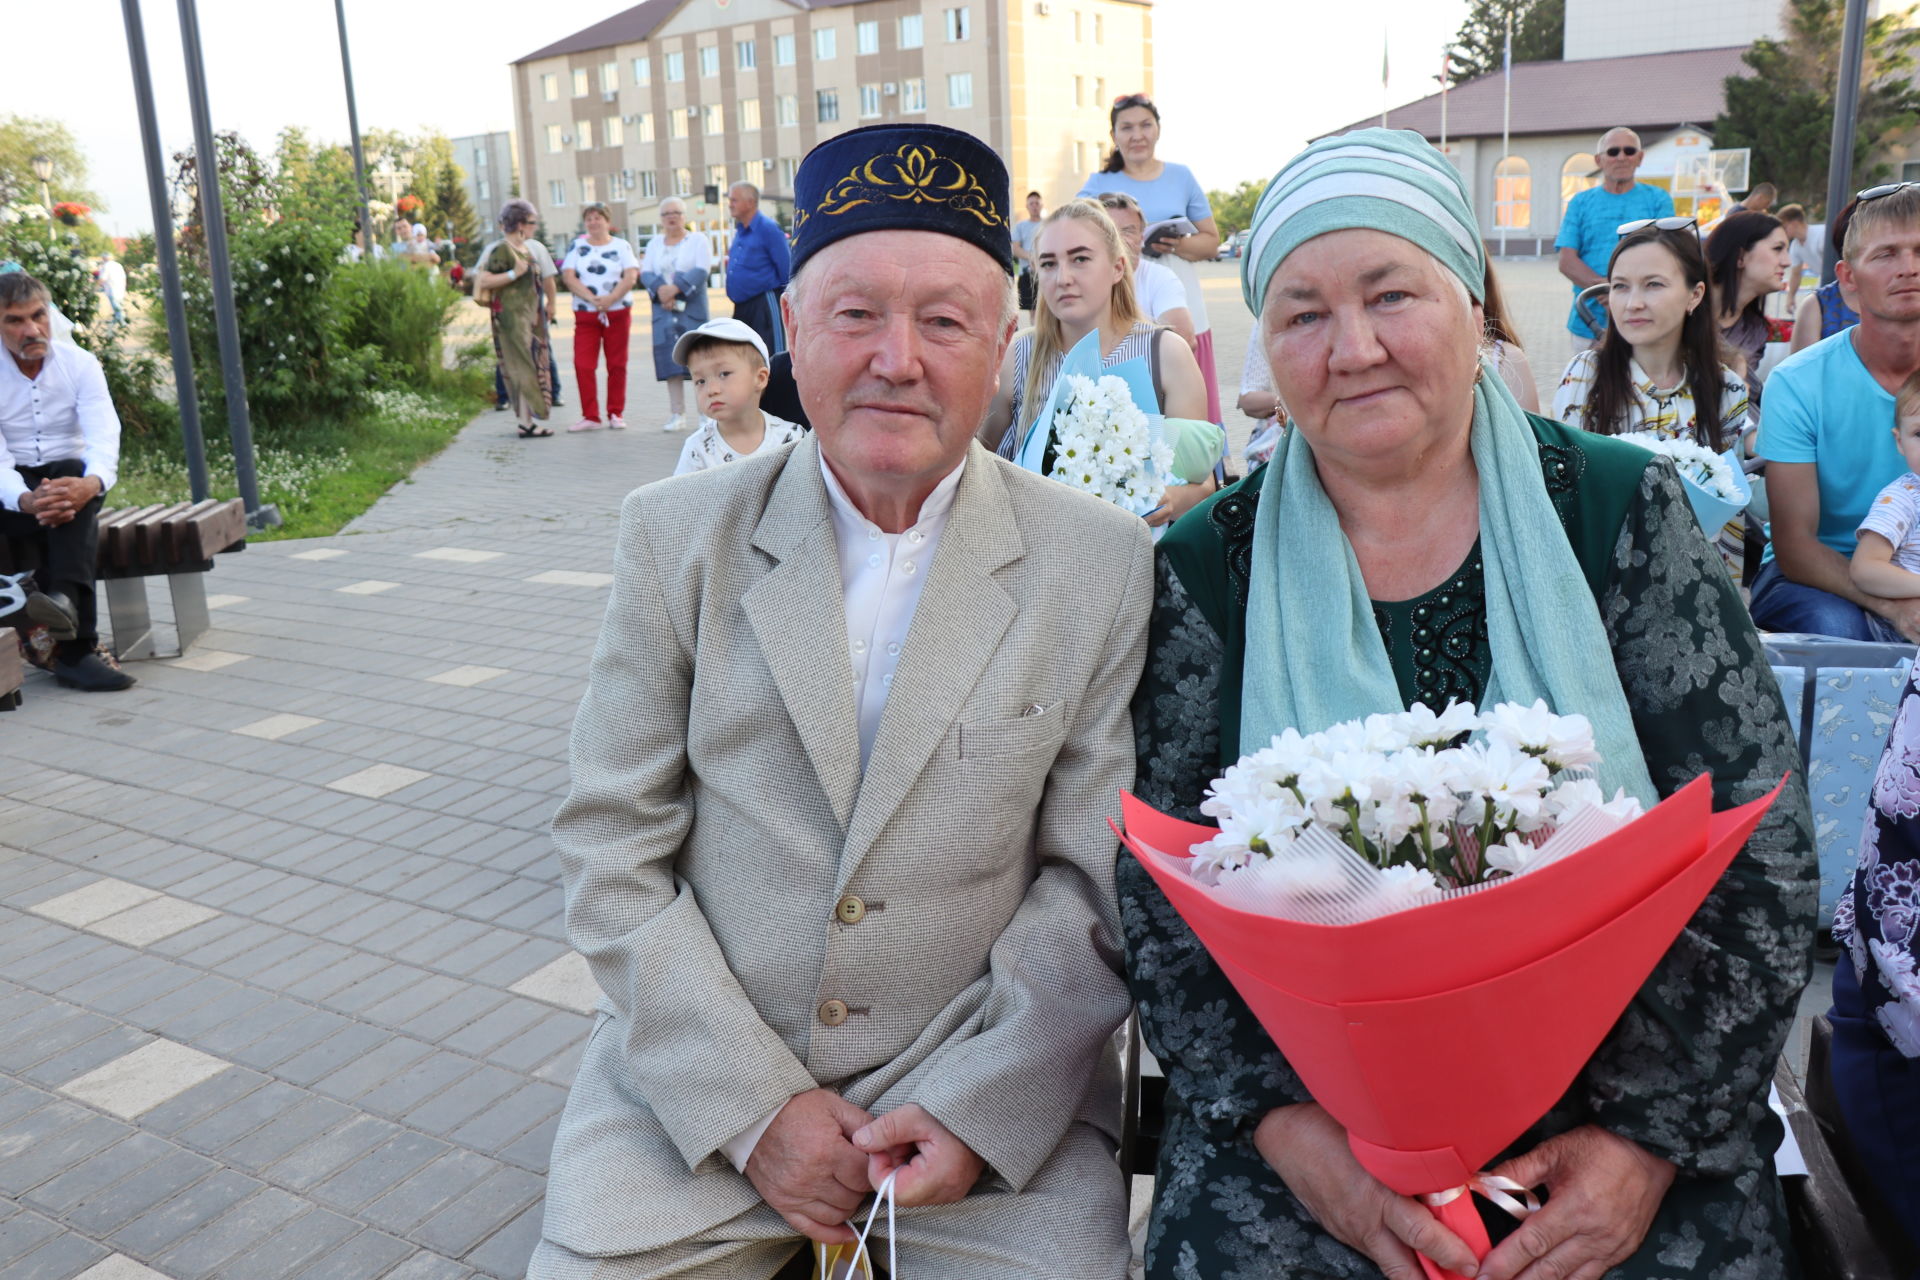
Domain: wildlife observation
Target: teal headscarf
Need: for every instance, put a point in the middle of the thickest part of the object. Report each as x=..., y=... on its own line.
x=1314, y=655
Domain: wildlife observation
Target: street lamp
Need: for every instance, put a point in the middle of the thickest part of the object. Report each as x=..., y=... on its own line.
x=43, y=170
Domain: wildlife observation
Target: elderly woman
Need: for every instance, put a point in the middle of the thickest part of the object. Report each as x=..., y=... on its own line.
x=519, y=271
x=673, y=271
x=1420, y=538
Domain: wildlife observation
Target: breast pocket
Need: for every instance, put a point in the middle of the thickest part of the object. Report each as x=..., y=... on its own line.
x=1038, y=728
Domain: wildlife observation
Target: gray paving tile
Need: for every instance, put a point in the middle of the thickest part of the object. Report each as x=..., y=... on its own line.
x=424, y=1193
x=495, y=1126
x=552, y=1036
x=263, y=1019
x=298, y=1033
x=33, y=1130
x=327, y=1155
x=116, y=1041
x=201, y=1203
x=479, y=1213
x=322, y=1059
x=201, y=1101
x=299, y=1244
x=380, y=985
x=242, y=1116
x=259, y=1216
x=505, y=1253
x=99, y=1171
x=198, y=1008
x=285, y=1132
x=406, y=1089
x=429, y=1266
x=498, y=1027
x=23, y=1233
x=66, y=1254
x=375, y=1067
x=534, y=1148
x=374, y=1173
x=100, y=1212
x=370, y=1253
x=29, y=1166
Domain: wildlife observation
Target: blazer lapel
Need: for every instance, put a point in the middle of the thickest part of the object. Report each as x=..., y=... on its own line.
x=957, y=627
x=798, y=613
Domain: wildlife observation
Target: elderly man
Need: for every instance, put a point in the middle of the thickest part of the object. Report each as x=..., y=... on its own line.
x=1826, y=431
x=59, y=453
x=853, y=920
x=758, y=266
x=1591, y=226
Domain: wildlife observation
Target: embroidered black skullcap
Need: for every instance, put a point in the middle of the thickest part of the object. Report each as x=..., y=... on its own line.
x=902, y=177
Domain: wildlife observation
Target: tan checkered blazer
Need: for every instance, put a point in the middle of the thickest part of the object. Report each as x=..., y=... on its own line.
x=719, y=833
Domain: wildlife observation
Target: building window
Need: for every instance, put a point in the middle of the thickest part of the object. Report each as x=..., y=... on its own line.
x=826, y=105
x=557, y=192
x=710, y=60
x=912, y=33
x=616, y=132
x=783, y=50
x=649, y=189
x=1512, y=194
x=716, y=119
x=866, y=37
x=643, y=70
x=717, y=177
x=1577, y=175
x=676, y=67
x=583, y=135
x=683, y=181
x=1099, y=91
x=609, y=77
x=960, y=89
x=1099, y=29
x=746, y=56
x=554, y=139
x=1077, y=37
x=550, y=87
x=480, y=159
x=1079, y=91
x=589, y=189
x=749, y=114
x=789, y=172
x=786, y=109
x=755, y=171
x=643, y=128
x=825, y=44
x=869, y=102
x=579, y=82
x=484, y=189
x=677, y=121
x=958, y=25
x=913, y=94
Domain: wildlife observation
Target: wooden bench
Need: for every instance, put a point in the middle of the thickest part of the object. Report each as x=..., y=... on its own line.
x=176, y=542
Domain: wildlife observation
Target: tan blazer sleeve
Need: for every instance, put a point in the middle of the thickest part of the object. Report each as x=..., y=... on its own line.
x=1011, y=1091
x=697, y=1052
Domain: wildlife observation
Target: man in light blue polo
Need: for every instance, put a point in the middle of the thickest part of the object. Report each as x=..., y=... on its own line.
x=758, y=266
x=1592, y=225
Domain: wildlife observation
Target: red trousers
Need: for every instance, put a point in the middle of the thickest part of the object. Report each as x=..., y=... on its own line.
x=593, y=330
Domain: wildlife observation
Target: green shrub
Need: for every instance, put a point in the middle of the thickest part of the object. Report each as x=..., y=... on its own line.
x=55, y=259
x=398, y=313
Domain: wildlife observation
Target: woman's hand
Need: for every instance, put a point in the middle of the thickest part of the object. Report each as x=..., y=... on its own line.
x=1603, y=1193
x=666, y=293
x=1180, y=499
x=1308, y=1149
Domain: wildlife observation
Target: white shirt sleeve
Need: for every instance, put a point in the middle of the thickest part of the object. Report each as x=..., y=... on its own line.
x=740, y=1149
x=13, y=486
x=99, y=423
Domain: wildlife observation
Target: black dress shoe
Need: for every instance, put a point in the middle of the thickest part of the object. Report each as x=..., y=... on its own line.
x=52, y=610
x=91, y=673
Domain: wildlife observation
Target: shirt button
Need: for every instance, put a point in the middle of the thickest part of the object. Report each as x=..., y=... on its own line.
x=859, y=646
x=893, y=650
x=916, y=536
x=851, y=910
x=906, y=568
x=873, y=535
x=887, y=679
x=873, y=561
x=833, y=1012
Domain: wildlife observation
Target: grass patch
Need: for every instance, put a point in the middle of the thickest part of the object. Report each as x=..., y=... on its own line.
x=332, y=473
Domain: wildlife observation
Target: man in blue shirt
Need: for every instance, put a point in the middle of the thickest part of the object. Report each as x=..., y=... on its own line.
x=758, y=266
x=1827, y=435
x=1592, y=225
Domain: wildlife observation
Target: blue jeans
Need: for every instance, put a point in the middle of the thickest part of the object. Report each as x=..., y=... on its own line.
x=1780, y=604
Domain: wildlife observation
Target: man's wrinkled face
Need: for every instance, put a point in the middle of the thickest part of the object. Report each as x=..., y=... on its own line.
x=741, y=204
x=26, y=328
x=1619, y=156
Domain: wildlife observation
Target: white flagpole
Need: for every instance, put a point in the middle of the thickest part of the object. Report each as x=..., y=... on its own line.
x=1446, y=70
x=1506, y=133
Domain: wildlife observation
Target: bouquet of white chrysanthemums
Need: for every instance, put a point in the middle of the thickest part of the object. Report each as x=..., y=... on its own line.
x=1716, y=486
x=1105, y=444
x=1378, y=815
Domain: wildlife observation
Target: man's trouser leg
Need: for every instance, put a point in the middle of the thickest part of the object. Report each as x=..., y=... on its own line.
x=761, y=313
x=66, y=553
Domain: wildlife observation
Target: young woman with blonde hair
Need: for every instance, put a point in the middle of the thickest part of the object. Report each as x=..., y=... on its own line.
x=1086, y=284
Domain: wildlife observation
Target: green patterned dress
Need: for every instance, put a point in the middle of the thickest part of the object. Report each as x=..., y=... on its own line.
x=1686, y=1071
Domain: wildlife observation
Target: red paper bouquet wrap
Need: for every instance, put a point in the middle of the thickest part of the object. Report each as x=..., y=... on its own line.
x=1531, y=975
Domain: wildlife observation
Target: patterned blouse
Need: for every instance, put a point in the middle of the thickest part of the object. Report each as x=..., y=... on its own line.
x=1668, y=414
x=1686, y=1071
x=1878, y=919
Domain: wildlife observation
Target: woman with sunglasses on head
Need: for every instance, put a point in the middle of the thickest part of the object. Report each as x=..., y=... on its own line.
x=1164, y=190
x=1746, y=260
x=1590, y=226
x=1658, y=368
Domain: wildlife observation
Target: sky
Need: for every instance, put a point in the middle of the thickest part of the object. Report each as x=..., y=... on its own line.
x=1242, y=83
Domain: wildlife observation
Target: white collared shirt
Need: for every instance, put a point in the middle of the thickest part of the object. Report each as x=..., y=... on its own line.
x=64, y=414
x=882, y=574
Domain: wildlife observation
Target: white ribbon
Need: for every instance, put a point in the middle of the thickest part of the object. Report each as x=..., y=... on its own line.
x=882, y=1195
x=1493, y=1188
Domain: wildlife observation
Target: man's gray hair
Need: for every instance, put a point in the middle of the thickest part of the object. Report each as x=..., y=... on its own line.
x=744, y=186
x=1619, y=128
x=1009, y=296
x=17, y=287
x=675, y=201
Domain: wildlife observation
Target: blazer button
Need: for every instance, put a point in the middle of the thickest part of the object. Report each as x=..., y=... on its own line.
x=833, y=1012
x=851, y=910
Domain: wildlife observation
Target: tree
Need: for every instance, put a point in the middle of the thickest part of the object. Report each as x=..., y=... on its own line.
x=24, y=137
x=1233, y=210
x=1539, y=35
x=1784, y=110
x=440, y=183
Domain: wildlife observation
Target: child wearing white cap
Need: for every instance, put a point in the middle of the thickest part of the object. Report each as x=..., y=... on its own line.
x=727, y=364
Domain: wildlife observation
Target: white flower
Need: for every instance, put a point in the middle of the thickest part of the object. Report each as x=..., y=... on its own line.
x=1563, y=742
x=1512, y=855
x=1697, y=463
x=1425, y=729
x=1512, y=783
x=1106, y=446
x=1407, y=886
x=1574, y=796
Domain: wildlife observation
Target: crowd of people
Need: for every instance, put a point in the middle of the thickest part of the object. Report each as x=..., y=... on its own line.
x=867, y=690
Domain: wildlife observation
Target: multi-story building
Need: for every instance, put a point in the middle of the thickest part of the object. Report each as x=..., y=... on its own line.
x=487, y=159
x=686, y=97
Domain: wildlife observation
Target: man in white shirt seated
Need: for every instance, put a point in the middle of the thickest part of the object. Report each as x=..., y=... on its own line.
x=59, y=452
x=1163, y=299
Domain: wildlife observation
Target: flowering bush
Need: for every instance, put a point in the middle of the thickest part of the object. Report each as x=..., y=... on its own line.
x=1416, y=795
x=71, y=212
x=409, y=205
x=1104, y=445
